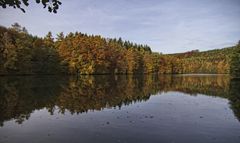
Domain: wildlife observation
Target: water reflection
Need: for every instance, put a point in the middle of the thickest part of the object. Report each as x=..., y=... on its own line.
x=20, y=96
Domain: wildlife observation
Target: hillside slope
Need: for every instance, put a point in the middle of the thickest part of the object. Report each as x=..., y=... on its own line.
x=213, y=61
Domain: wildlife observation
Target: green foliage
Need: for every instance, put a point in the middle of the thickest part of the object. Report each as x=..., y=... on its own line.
x=235, y=62
x=22, y=53
x=51, y=5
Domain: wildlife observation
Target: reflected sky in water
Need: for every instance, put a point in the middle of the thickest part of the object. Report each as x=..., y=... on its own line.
x=196, y=108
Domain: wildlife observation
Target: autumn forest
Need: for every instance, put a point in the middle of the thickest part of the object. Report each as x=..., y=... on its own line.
x=78, y=53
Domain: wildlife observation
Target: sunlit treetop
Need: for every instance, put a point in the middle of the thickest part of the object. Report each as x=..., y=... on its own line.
x=51, y=5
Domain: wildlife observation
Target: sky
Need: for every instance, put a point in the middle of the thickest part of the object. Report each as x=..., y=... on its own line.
x=167, y=26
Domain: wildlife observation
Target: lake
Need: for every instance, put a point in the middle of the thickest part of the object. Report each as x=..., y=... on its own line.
x=103, y=108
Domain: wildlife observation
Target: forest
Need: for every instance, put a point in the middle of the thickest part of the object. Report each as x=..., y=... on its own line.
x=78, y=53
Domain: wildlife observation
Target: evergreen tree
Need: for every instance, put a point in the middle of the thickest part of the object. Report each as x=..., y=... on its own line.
x=235, y=62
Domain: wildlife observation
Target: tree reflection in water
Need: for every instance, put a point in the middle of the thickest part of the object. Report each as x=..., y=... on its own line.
x=20, y=96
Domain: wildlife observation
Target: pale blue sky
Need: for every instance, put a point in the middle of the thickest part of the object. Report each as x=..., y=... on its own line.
x=168, y=26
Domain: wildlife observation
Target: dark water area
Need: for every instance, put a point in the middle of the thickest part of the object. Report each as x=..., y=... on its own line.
x=143, y=109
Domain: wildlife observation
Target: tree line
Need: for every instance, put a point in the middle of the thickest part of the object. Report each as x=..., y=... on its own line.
x=78, y=53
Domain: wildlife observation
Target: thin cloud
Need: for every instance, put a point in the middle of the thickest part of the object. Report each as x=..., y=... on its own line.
x=168, y=26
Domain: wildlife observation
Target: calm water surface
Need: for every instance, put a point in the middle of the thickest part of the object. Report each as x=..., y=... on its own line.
x=169, y=109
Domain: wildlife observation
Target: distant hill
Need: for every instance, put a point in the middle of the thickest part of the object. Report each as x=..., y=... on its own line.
x=196, y=53
x=212, y=61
